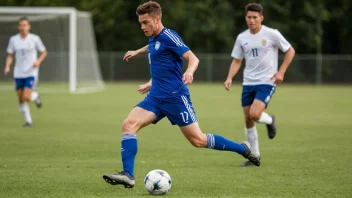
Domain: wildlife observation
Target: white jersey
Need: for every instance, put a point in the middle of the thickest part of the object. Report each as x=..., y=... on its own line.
x=25, y=50
x=261, y=53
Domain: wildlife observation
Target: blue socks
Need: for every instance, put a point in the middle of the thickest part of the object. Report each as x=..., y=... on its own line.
x=218, y=142
x=129, y=149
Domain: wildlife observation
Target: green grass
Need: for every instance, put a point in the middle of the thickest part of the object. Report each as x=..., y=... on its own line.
x=76, y=139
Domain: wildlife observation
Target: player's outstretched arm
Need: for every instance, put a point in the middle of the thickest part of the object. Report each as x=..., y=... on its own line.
x=131, y=54
x=279, y=76
x=193, y=62
x=9, y=60
x=235, y=66
x=41, y=58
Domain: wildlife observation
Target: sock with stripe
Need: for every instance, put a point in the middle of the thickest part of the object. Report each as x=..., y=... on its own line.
x=129, y=149
x=218, y=142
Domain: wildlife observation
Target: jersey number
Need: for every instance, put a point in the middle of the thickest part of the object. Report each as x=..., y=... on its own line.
x=255, y=52
x=150, y=62
x=184, y=116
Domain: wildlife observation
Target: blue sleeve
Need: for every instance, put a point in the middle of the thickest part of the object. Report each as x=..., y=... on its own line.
x=175, y=43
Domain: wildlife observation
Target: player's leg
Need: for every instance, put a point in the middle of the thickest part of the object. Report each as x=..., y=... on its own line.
x=251, y=134
x=142, y=115
x=184, y=116
x=35, y=95
x=257, y=111
x=21, y=90
x=217, y=142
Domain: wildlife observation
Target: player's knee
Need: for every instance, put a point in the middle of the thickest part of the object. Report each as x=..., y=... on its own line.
x=26, y=98
x=255, y=115
x=129, y=125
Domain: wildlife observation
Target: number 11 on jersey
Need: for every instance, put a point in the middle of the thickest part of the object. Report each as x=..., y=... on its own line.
x=255, y=52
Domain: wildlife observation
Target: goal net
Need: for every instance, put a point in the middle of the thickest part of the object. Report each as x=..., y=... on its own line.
x=72, y=63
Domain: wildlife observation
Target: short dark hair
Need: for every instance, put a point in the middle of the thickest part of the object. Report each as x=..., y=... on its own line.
x=254, y=7
x=150, y=7
x=24, y=18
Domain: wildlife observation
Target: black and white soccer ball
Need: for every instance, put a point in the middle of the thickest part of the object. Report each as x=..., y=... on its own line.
x=157, y=182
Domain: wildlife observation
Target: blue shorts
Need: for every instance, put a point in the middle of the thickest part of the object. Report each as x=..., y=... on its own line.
x=21, y=83
x=263, y=93
x=179, y=110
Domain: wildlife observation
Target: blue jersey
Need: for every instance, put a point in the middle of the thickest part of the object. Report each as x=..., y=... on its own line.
x=165, y=59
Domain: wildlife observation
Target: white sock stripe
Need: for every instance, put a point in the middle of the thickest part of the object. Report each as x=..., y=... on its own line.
x=172, y=34
x=185, y=101
x=172, y=38
x=211, y=140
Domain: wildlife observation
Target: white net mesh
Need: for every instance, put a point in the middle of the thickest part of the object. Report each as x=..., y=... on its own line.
x=53, y=29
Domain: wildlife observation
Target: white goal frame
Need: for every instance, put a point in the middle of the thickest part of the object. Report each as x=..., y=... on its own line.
x=72, y=13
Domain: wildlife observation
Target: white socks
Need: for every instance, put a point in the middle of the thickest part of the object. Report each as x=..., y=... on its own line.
x=34, y=96
x=265, y=118
x=24, y=108
x=252, y=137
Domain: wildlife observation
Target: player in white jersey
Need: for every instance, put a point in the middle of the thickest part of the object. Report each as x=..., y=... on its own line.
x=24, y=47
x=259, y=46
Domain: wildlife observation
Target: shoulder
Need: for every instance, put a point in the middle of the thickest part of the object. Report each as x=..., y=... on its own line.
x=14, y=37
x=34, y=36
x=271, y=31
x=171, y=37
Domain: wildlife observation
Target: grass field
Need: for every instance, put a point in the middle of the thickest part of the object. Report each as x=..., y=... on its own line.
x=76, y=139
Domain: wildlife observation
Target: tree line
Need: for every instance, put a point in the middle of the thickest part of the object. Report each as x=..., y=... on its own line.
x=313, y=26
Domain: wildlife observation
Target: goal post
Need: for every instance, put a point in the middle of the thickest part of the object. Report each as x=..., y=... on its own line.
x=69, y=37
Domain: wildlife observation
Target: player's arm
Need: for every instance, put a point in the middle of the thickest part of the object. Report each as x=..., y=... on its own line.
x=41, y=58
x=290, y=53
x=145, y=87
x=237, y=54
x=9, y=60
x=285, y=47
x=235, y=66
x=131, y=54
x=193, y=62
x=43, y=52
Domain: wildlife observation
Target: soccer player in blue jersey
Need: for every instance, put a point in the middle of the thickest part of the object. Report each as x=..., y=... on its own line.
x=168, y=96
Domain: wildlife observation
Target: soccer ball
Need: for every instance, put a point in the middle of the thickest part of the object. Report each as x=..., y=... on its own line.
x=157, y=182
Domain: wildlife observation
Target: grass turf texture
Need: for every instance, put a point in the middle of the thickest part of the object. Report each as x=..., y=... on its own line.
x=75, y=139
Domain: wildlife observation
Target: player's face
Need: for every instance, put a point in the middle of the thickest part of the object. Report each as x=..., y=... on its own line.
x=254, y=20
x=149, y=24
x=24, y=27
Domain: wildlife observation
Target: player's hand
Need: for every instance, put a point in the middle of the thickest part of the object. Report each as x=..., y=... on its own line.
x=228, y=84
x=7, y=70
x=279, y=77
x=187, y=77
x=144, y=88
x=36, y=63
x=130, y=54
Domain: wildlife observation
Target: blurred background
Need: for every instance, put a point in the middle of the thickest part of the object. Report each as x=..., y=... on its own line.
x=75, y=138
x=320, y=31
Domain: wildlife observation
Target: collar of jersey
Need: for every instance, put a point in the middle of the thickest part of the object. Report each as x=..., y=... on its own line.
x=151, y=38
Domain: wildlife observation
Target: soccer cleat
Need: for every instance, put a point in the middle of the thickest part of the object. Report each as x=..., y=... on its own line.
x=27, y=124
x=251, y=156
x=120, y=178
x=247, y=163
x=271, y=128
x=38, y=102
